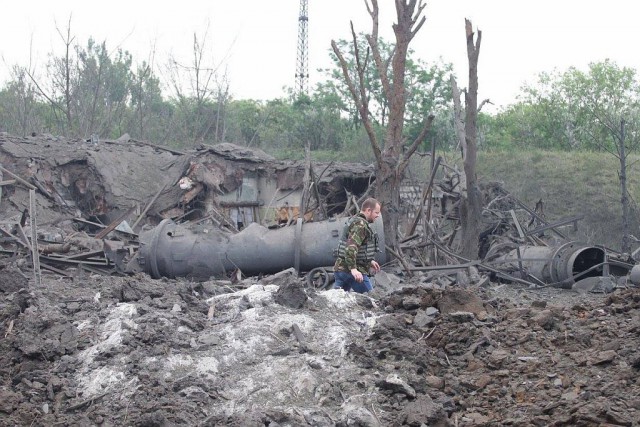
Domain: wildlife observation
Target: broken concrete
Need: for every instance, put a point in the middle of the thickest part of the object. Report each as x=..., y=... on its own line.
x=136, y=351
x=91, y=346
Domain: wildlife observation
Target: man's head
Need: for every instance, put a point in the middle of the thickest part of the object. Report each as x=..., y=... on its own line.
x=371, y=209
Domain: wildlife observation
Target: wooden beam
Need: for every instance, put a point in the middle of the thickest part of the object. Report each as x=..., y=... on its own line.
x=425, y=194
x=20, y=180
x=573, y=219
x=115, y=223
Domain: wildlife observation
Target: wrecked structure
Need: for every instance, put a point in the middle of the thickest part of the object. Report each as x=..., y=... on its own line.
x=123, y=206
x=103, y=199
x=449, y=346
x=171, y=250
x=225, y=182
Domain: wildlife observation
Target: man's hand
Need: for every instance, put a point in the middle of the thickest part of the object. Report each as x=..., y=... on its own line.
x=356, y=275
x=375, y=266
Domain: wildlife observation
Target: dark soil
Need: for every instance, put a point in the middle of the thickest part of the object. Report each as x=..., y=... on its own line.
x=98, y=350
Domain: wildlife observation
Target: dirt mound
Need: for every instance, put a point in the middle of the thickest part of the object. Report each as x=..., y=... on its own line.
x=96, y=350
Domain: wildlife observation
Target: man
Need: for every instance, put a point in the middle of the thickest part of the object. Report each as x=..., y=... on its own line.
x=356, y=250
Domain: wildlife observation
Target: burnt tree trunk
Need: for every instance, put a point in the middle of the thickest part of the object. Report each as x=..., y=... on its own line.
x=393, y=154
x=626, y=209
x=467, y=131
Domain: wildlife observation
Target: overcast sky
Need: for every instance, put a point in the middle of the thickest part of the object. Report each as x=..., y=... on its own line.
x=256, y=40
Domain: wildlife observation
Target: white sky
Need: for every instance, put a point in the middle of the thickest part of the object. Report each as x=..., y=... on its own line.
x=256, y=40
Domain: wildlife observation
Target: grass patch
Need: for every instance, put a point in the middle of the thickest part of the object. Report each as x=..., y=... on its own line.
x=569, y=183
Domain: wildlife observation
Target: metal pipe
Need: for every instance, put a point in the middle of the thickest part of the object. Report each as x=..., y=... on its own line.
x=558, y=266
x=172, y=250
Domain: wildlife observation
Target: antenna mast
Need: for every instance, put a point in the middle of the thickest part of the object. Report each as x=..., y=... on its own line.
x=302, y=62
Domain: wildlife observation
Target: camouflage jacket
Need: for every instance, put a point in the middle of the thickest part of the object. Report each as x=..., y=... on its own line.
x=357, y=247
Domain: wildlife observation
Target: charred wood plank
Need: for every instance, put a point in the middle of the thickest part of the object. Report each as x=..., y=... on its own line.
x=486, y=267
x=35, y=256
x=532, y=213
x=565, y=221
x=23, y=236
x=55, y=270
x=306, y=180
x=14, y=238
x=20, y=180
x=102, y=271
x=84, y=221
x=115, y=223
x=425, y=194
x=316, y=193
x=146, y=208
x=86, y=255
x=42, y=188
x=66, y=261
x=446, y=267
x=240, y=204
x=517, y=223
x=400, y=258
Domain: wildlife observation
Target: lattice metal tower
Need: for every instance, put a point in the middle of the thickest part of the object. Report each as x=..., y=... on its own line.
x=302, y=62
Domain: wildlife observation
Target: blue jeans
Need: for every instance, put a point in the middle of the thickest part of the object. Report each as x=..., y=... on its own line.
x=347, y=282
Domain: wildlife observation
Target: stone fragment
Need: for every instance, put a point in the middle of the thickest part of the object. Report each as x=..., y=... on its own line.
x=424, y=411
x=422, y=319
x=394, y=383
x=435, y=382
x=603, y=357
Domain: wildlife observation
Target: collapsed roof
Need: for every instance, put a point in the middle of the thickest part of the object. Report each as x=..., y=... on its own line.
x=100, y=180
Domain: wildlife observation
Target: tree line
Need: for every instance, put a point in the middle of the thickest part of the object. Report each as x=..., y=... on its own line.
x=378, y=102
x=90, y=90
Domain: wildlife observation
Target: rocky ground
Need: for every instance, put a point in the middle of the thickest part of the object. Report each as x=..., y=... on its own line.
x=111, y=351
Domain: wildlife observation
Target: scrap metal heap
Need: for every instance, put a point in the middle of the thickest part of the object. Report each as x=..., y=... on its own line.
x=124, y=206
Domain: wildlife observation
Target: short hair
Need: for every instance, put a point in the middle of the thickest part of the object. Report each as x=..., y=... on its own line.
x=370, y=203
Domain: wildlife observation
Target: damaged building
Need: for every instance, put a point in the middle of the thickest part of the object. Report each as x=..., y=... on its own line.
x=100, y=181
x=125, y=206
x=120, y=188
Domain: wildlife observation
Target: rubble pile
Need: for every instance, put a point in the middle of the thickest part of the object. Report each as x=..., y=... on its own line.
x=98, y=350
x=442, y=340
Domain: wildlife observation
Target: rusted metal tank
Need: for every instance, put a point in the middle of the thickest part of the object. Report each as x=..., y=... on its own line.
x=172, y=250
x=559, y=266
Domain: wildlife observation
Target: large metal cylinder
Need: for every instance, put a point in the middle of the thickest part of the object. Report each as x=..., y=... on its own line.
x=172, y=250
x=559, y=266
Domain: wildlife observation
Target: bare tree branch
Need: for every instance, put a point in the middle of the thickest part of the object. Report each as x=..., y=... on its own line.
x=416, y=142
x=458, y=123
x=485, y=101
x=360, y=103
x=361, y=66
x=372, y=39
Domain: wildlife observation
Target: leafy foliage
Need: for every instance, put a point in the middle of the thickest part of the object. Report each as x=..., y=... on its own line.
x=573, y=110
x=91, y=90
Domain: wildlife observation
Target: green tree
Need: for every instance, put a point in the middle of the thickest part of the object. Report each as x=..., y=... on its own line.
x=19, y=108
x=597, y=109
x=101, y=95
x=149, y=111
x=607, y=102
x=86, y=88
x=559, y=111
x=245, y=120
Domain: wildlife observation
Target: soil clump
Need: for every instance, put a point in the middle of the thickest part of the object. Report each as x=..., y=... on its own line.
x=99, y=350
